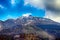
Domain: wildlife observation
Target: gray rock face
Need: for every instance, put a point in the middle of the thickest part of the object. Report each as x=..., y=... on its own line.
x=36, y=25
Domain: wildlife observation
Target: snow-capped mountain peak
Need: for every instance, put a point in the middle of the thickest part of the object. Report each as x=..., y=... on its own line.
x=30, y=24
x=26, y=15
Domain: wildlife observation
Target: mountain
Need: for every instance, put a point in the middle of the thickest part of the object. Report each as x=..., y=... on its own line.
x=36, y=25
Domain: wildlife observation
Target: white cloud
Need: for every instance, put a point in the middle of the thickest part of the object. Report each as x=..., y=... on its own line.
x=1, y=6
x=13, y=2
x=26, y=2
x=52, y=16
x=51, y=13
x=56, y=19
x=40, y=4
x=26, y=15
x=57, y=4
x=35, y=3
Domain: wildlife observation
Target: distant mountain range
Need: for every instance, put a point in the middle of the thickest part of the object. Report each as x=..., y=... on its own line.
x=37, y=25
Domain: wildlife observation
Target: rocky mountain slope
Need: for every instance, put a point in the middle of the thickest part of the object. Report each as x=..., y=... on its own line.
x=36, y=25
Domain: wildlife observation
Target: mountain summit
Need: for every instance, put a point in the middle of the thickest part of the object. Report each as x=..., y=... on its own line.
x=40, y=26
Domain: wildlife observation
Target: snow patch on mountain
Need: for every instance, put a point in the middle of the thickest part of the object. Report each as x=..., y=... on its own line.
x=26, y=15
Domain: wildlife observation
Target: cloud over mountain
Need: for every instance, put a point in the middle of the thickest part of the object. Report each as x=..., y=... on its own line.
x=35, y=3
x=51, y=7
x=27, y=14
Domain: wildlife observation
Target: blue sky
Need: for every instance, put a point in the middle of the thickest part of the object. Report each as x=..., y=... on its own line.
x=16, y=8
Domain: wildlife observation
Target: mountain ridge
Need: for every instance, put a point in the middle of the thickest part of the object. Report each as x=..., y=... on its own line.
x=30, y=24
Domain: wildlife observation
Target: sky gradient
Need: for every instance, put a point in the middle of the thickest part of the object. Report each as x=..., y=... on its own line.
x=11, y=9
x=16, y=8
